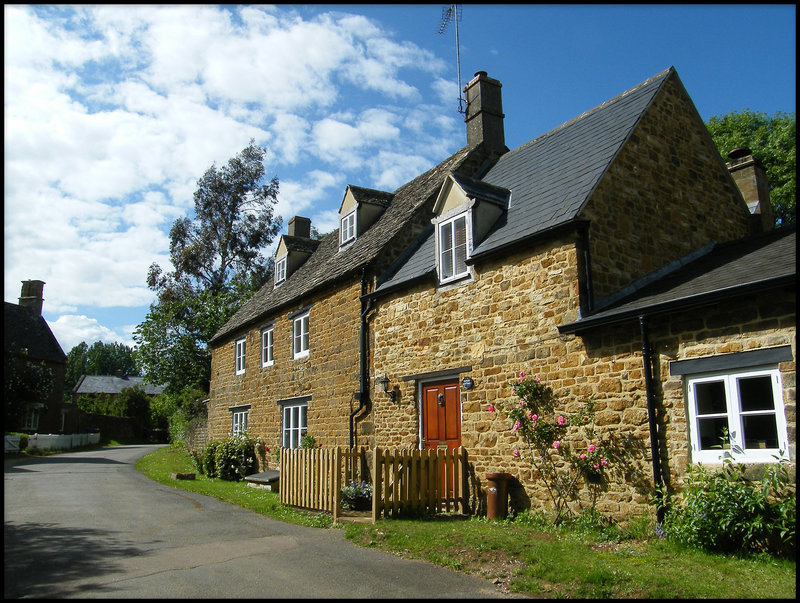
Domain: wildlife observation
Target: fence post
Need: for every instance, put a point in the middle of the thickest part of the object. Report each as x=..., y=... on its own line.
x=337, y=483
x=376, y=483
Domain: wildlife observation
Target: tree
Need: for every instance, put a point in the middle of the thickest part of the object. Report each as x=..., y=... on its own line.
x=218, y=261
x=26, y=381
x=772, y=141
x=99, y=359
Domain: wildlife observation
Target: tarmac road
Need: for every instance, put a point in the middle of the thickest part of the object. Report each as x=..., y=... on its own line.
x=89, y=525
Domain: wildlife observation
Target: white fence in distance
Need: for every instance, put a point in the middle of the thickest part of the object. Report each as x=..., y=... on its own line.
x=50, y=441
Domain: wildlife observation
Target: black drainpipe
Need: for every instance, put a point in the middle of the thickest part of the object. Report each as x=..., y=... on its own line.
x=651, y=415
x=363, y=393
x=587, y=267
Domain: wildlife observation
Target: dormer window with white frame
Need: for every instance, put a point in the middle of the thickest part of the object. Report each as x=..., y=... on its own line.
x=280, y=270
x=464, y=212
x=453, y=247
x=347, y=229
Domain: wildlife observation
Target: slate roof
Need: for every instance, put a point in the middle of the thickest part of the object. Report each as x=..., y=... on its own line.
x=328, y=264
x=757, y=263
x=551, y=178
x=24, y=331
x=371, y=195
x=110, y=384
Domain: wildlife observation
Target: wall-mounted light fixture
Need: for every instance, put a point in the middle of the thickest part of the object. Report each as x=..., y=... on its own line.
x=384, y=383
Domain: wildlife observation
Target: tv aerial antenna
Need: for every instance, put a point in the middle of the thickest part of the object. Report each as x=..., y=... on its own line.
x=452, y=13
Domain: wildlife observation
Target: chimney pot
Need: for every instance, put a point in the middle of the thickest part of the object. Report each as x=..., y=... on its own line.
x=484, y=117
x=749, y=175
x=300, y=227
x=31, y=296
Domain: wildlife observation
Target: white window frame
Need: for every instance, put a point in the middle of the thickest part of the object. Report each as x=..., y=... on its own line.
x=449, y=224
x=239, y=355
x=300, y=336
x=735, y=417
x=294, y=424
x=268, y=346
x=280, y=270
x=347, y=228
x=239, y=422
x=32, y=417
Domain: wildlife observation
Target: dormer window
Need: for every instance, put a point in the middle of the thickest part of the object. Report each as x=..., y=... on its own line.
x=360, y=209
x=453, y=247
x=347, y=229
x=280, y=270
x=464, y=211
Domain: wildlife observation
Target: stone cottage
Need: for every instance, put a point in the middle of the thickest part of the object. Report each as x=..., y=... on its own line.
x=613, y=257
x=29, y=340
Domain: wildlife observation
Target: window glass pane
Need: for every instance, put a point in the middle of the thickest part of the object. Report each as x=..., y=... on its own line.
x=460, y=227
x=446, y=243
x=712, y=432
x=755, y=393
x=760, y=431
x=710, y=397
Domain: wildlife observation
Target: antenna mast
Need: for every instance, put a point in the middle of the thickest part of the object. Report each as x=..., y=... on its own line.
x=451, y=13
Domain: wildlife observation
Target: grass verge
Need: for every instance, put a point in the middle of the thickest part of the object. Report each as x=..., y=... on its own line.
x=527, y=557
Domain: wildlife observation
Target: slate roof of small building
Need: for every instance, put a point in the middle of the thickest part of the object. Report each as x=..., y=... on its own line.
x=550, y=178
x=110, y=384
x=27, y=333
x=730, y=269
x=329, y=264
x=371, y=195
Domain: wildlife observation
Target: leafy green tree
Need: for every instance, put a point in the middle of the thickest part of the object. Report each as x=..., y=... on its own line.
x=218, y=263
x=773, y=141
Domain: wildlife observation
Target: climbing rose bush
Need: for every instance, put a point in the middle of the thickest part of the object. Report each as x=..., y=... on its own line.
x=562, y=447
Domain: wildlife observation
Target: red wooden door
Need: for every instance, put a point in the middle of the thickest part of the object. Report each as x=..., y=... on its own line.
x=441, y=415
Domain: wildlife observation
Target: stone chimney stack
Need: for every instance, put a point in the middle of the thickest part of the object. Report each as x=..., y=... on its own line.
x=484, y=116
x=749, y=175
x=300, y=227
x=31, y=297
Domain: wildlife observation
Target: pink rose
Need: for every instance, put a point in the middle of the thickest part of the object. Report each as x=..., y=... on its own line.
x=535, y=418
x=603, y=462
x=583, y=456
x=561, y=420
x=537, y=379
x=517, y=425
x=591, y=448
x=522, y=374
x=596, y=466
x=556, y=444
x=516, y=452
x=491, y=408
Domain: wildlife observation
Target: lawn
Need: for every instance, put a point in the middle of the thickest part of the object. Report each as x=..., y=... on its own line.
x=526, y=556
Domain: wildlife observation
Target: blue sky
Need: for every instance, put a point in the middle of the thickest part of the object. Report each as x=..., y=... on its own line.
x=113, y=113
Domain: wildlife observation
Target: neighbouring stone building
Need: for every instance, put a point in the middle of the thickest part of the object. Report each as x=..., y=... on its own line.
x=613, y=257
x=28, y=340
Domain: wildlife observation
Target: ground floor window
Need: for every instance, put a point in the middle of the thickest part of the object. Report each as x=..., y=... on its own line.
x=294, y=424
x=32, y=414
x=737, y=414
x=239, y=421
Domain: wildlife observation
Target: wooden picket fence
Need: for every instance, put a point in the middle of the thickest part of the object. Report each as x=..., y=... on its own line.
x=313, y=479
x=432, y=481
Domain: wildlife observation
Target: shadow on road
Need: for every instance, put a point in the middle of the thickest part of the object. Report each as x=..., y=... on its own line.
x=40, y=558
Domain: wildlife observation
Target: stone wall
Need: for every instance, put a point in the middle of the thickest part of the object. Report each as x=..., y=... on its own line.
x=667, y=194
x=329, y=374
x=505, y=321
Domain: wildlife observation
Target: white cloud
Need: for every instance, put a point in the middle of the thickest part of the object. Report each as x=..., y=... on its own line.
x=112, y=114
x=71, y=329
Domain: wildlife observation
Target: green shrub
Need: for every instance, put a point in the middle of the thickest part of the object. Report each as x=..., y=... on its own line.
x=209, y=459
x=727, y=512
x=235, y=457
